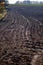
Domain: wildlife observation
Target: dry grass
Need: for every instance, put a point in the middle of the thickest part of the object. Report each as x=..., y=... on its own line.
x=3, y=14
x=2, y=11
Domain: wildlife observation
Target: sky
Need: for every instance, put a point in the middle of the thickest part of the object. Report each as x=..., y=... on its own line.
x=13, y=1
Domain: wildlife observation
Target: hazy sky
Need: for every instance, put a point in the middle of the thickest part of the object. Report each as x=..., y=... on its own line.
x=13, y=1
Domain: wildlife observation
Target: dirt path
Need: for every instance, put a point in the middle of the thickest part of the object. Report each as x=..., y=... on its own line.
x=18, y=39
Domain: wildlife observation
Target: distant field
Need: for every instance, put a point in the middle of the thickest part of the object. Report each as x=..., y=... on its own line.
x=28, y=4
x=30, y=11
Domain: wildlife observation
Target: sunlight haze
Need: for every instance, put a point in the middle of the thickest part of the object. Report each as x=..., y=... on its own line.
x=14, y=1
